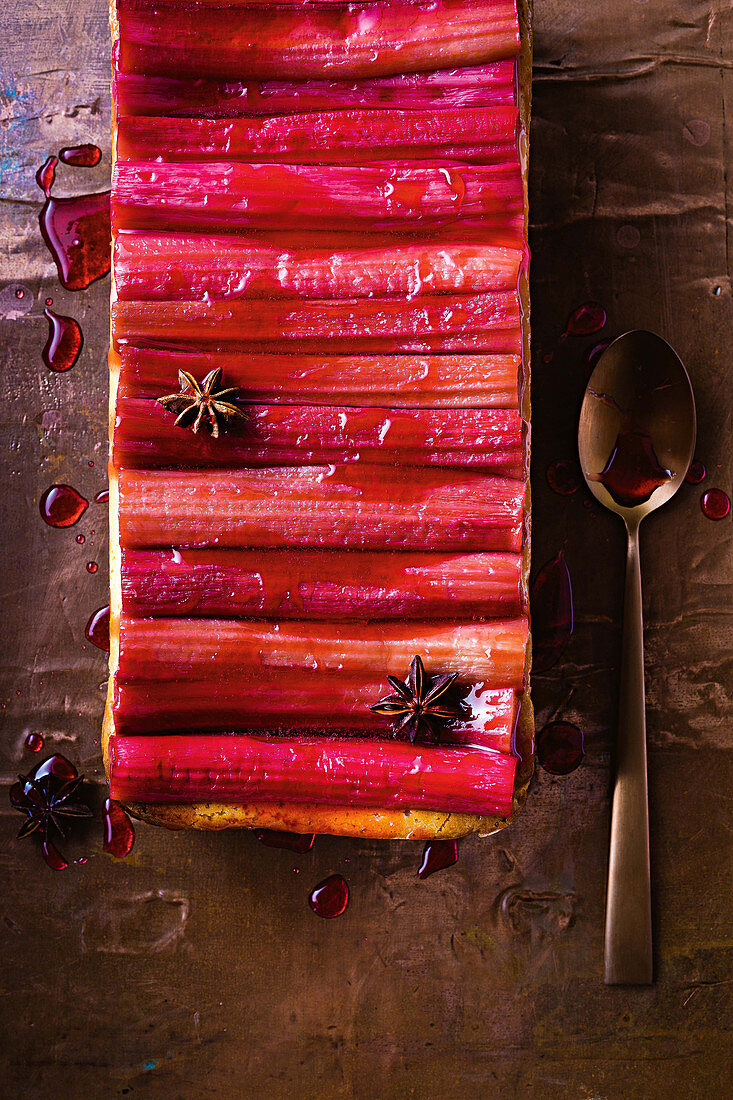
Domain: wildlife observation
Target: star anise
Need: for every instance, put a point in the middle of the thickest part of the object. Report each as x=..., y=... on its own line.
x=46, y=802
x=201, y=403
x=418, y=705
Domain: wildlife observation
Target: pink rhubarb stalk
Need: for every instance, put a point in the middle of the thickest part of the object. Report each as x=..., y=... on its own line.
x=352, y=507
x=193, y=266
x=331, y=772
x=377, y=39
x=391, y=381
x=302, y=584
x=290, y=701
x=201, y=649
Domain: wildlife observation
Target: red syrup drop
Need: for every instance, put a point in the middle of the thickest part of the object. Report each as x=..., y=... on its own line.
x=81, y=539
x=76, y=230
x=92, y=567
x=633, y=471
x=551, y=600
x=564, y=477
x=437, y=855
x=62, y=506
x=81, y=156
x=560, y=748
x=585, y=320
x=102, y=497
x=97, y=629
x=293, y=842
x=53, y=856
x=34, y=742
x=119, y=835
x=330, y=897
x=696, y=473
x=715, y=504
x=64, y=342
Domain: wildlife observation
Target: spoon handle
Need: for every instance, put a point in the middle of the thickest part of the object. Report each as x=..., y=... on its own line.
x=628, y=952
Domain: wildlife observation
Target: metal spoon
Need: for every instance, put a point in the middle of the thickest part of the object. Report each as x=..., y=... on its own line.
x=635, y=439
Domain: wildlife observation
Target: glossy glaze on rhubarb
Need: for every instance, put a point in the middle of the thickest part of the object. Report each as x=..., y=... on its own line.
x=379, y=278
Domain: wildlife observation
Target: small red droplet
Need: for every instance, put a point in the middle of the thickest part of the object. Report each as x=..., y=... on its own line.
x=62, y=506
x=64, y=343
x=119, y=835
x=560, y=747
x=34, y=742
x=81, y=539
x=20, y=293
x=696, y=473
x=437, y=855
x=293, y=842
x=92, y=567
x=330, y=897
x=81, y=156
x=715, y=504
x=585, y=320
x=564, y=477
x=102, y=497
x=97, y=629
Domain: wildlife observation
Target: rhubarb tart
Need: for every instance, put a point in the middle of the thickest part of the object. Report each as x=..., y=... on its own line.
x=319, y=415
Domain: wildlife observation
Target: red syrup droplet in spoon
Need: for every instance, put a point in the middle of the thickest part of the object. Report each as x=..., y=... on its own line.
x=76, y=230
x=715, y=504
x=119, y=834
x=564, y=477
x=551, y=600
x=437, y=855
x=34, y=742
x=696, y=473
x=293, y=842
x=62, y=506
x=585, y=320
x=560, y=747
x=330, y=897
x=81, y=156
x=64, y=342
x=633, y=470
x=97, y=629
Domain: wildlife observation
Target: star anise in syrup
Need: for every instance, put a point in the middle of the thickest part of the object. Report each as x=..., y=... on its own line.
x=201, y=403
x=47, y=798
x=418, y=705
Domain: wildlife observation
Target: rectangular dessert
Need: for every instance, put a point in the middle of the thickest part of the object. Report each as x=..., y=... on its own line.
x=319, y=413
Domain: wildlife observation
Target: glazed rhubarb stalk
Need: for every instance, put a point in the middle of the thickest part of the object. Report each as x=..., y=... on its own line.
x=489, y=85
x=377, y=39
x=300, y=584
x=486, y=134
x=295, y=700
x=191, y=266
x=331, y=772
x=229, y=195
x=321, y=507
x=147, y=436
x=388, y=381
x=463, y=323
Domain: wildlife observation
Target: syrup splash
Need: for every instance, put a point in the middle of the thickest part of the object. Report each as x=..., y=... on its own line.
x=437, y=855
x=551, y=600
x=97, y=629
x=715, y=504
x=560, y=747
x=64, y=342
x=564, y=477
x=293, y=842
x=81, y=156
x=76, y=230
x=633, y=471
x=119, y=835
x=62, y=506
x=329, y=898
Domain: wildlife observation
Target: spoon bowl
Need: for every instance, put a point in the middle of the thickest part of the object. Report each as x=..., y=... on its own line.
x=635, y=440
x=637, y=423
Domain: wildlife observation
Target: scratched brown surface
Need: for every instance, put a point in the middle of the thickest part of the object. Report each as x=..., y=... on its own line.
x=195, y=968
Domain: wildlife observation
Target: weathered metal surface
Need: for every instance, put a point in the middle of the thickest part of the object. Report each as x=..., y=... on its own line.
x=195, y=968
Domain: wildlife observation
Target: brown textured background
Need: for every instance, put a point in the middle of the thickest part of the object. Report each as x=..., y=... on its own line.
x=195, y=968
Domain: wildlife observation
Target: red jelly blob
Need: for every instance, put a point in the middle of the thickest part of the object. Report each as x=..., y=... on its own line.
x=564, y=477
x=46, y=175
x=64, y=342
x=585, y=320
x=293, y=842
x=81, y=156
x=633, y=471
x=77, y=231
x=560, y=748
x=119, y=835
x=437, y=855
x=330, y=897
x=62, y=506
x=551, y=600
x=34, y=742
x=102, y=497
x=97, y=629
x=696, y=473
x=715, y=504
